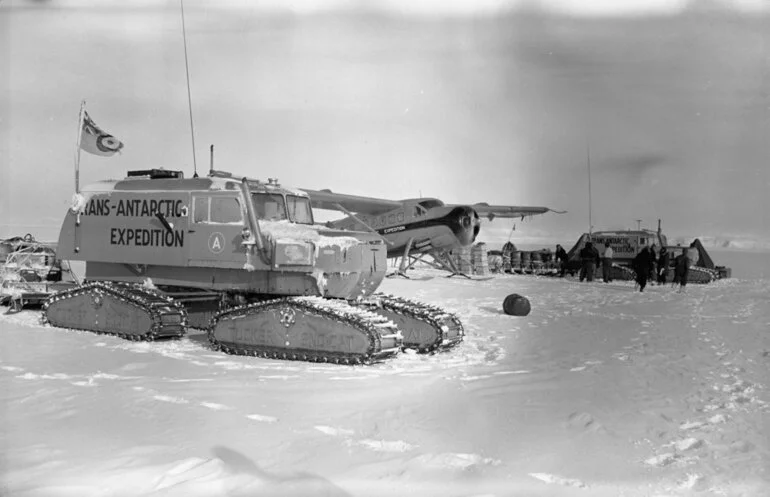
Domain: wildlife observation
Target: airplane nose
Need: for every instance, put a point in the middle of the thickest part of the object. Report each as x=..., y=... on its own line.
x=468, y=226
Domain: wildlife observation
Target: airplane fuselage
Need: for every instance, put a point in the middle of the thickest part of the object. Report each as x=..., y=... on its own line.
x=430, y=225
x=418, y=225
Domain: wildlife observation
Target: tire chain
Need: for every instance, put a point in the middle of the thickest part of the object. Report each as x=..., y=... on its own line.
x=146, y=299
x=697, y=275
x=701, y=275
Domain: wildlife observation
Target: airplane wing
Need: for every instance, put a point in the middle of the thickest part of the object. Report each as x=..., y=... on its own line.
x=326, y=199
x=510, y=211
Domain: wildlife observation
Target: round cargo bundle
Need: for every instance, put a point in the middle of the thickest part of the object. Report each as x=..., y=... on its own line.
x=516, y=305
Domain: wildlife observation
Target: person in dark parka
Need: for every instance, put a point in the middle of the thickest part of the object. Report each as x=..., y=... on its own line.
x=561, y=259
x=589, y=257
x=653, y=274
x=681, y=268
x=663, y=260
x=642, y=265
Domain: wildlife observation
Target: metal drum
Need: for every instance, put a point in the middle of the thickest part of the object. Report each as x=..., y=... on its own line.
x=516, y=259
x=526, y=261
x=536, y=261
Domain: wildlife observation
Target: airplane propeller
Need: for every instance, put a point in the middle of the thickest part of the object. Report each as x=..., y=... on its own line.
x=467, y=224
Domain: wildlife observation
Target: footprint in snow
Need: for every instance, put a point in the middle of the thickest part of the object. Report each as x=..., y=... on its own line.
x=328, y=430
x=385, y=445
x=262, y=419
x=567, y=482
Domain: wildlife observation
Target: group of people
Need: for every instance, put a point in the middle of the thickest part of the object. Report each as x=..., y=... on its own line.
x=648, y=265
x=590, y=259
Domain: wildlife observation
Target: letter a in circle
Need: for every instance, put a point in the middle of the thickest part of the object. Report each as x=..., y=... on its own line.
x=216, y=242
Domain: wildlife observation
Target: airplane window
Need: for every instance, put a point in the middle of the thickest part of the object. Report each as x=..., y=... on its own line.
x=269, y=206
x=431, y=203
x=225, y=210
x=299, y=209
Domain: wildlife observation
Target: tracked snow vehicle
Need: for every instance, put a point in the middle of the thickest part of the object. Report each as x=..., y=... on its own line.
x=626, y=244
x=240, y=258
x=30, y=272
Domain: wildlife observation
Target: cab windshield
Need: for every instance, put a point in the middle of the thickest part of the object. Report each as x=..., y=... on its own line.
x=299, y=209
x=269, y=206
x=273, y=207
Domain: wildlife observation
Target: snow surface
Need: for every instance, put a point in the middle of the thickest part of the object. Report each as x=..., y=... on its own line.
x=600, y=391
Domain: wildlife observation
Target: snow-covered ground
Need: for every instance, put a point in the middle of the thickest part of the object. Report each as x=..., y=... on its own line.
x=600, y=391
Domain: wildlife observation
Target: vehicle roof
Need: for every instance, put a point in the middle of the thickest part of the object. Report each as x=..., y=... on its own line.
x=207, y=183
x=625, y=233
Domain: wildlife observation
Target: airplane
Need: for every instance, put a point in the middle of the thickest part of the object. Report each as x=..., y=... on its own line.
x=425, y=226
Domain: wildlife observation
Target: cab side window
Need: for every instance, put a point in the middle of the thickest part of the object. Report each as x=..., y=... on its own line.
x=201, y=210
x=216, y=210
x=225, y=210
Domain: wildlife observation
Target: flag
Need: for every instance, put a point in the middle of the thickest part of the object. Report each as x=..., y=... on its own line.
x=95, y=141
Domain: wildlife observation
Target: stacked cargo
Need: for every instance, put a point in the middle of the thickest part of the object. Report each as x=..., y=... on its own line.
x=536, y=262
x=516, y=262
x=526, y=265
x=479, y=259
x=463, y=259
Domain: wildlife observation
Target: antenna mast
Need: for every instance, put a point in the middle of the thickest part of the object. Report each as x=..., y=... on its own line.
x=588, y=157
x=189, y=98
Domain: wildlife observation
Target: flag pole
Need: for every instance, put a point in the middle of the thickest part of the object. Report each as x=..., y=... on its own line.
x=77, y=146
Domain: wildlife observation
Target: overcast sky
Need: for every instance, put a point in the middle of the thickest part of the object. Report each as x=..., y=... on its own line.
x=495, y=101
